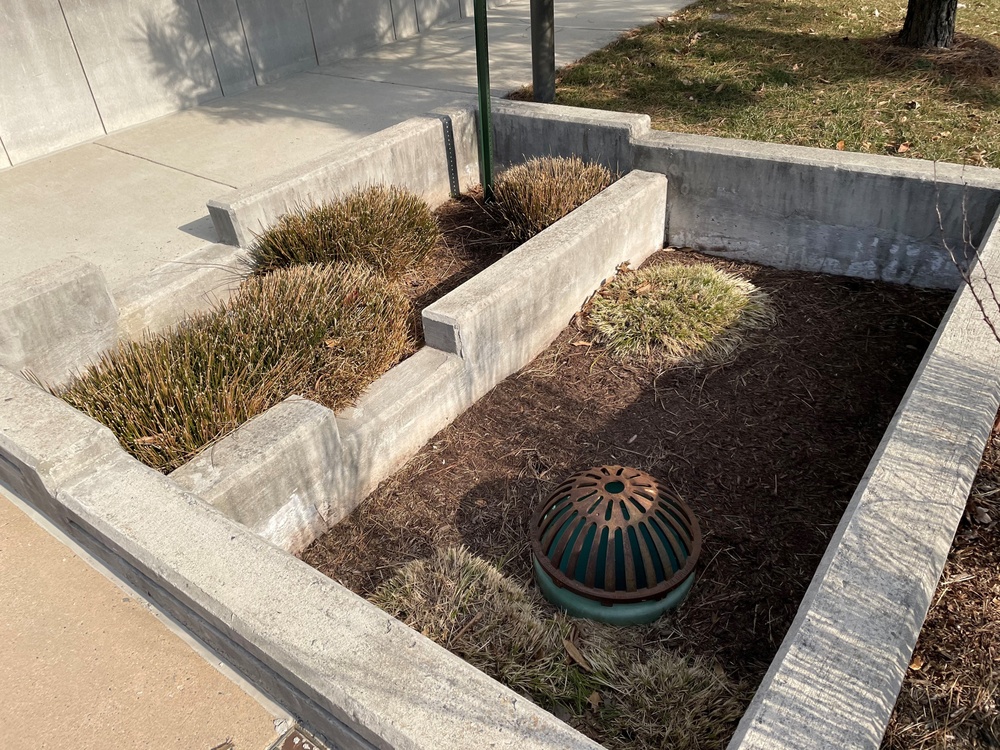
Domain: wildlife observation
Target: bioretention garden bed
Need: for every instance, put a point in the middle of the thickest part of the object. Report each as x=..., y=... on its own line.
x=827, y=510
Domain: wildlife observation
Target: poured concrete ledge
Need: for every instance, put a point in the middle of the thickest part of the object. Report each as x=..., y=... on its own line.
x=173, y=291
x=820, y=210
x=806, y=209
x=297, y=469
x=356, y=676
x=525, y=130
x=56, y=321
x=507, y=314
x=834, y=682
x=433, y=156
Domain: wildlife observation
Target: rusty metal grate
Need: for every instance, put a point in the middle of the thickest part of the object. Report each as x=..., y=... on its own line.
x=615, y=535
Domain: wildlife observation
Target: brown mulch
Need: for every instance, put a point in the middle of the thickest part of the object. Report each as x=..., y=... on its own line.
x=767, y=450
x=471, y=240
x=951, y=695
x=969, y=58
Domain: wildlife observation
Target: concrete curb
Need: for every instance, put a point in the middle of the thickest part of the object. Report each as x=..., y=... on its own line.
x=65, y=316
x=297, y=469
x=433, y=156
x=834, y=682
x=355, y=675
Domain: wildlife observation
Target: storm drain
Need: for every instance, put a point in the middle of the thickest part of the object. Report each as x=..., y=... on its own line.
x=613, y=544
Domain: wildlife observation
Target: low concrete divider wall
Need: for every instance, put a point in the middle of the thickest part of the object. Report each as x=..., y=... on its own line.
x=298, y=469
x=806, y=209
x=356, y=676
x=834, y=681
x=433, y=156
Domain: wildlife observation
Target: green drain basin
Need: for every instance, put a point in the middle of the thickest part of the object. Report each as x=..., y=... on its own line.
x=613, y=544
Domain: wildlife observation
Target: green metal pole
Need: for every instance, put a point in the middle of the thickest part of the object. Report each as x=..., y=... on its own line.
x=485, y=116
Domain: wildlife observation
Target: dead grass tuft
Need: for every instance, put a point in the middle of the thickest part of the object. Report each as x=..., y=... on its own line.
x=673, y=313
x=595, y=676
x=323, y=331
x=386, y=227
x=532, y=196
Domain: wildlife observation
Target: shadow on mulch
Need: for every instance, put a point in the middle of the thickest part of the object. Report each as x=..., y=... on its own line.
x=767, y=450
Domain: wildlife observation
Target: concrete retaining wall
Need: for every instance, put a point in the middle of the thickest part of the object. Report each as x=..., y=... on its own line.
x=73, y=70
x=799, y=208
x=433, y=156
x=834, y=682
x=356, y=676
x=294, y=471
x=57, y=321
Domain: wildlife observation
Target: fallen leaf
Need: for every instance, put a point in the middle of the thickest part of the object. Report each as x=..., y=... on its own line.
x=840, y=145
x=903, y=148
x=583, y=343
x=917, y=664
x=983, y=517
x=594, y=700
x=576, y=654
x=718, y=89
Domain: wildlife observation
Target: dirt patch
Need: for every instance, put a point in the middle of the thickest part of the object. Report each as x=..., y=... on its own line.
x=471, y=240
x=767, y=450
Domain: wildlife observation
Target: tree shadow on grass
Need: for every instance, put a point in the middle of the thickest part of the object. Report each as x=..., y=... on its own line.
x=703, y=66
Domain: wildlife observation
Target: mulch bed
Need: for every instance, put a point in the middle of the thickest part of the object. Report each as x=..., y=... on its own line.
x=471, y=240
x=767, y=450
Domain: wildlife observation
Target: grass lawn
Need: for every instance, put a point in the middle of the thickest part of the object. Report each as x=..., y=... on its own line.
x=805, y=72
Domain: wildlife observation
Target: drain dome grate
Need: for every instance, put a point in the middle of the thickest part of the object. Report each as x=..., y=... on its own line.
x=612, y=543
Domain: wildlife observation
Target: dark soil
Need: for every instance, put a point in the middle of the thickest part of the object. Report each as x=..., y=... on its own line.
x=471, y=240
x=767, y=450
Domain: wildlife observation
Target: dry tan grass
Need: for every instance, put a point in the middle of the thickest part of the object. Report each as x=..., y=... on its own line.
x=673, y=313
x=326, y=331
x=388, y=228
x=535, y=195
x=601, y=679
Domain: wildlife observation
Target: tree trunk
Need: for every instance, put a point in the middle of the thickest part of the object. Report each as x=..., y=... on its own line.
x=929, y=23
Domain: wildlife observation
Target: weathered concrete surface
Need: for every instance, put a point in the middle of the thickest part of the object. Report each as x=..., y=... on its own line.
x=228, y=45
x=118, y=212
x=189, y=284
x=238, y=141
x=55, y=322
x=524, y=130
x=435, y=12
x=279, y=37
x=404, y=18
x=352, y=673
x=274, y=474
x=821, y=210
x=834, y=682
x=45, y=103
x=402, y=410
x=143, y=58
x=341, y=30
x=506, y=315
x=412, y=154
x=87, y=664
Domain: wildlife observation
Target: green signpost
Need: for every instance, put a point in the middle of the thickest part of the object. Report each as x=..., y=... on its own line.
x=485, y=117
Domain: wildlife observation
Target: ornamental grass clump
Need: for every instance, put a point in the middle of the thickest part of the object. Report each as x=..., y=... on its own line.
x=322, y=331
x=536, y=194
x=672, y=313
x=386, y=227
x=604, y=679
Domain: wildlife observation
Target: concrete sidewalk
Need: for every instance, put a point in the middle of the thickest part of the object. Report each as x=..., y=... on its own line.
x=135, y=199
x=88, y=665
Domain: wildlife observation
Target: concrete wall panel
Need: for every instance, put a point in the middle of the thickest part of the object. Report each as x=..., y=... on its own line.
x=404, y=18
x=144, y=58
x=4, y=161
x=279, y=37
x=45, y=103
x=342, y=30
x=435, y=12
x=229, y=45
